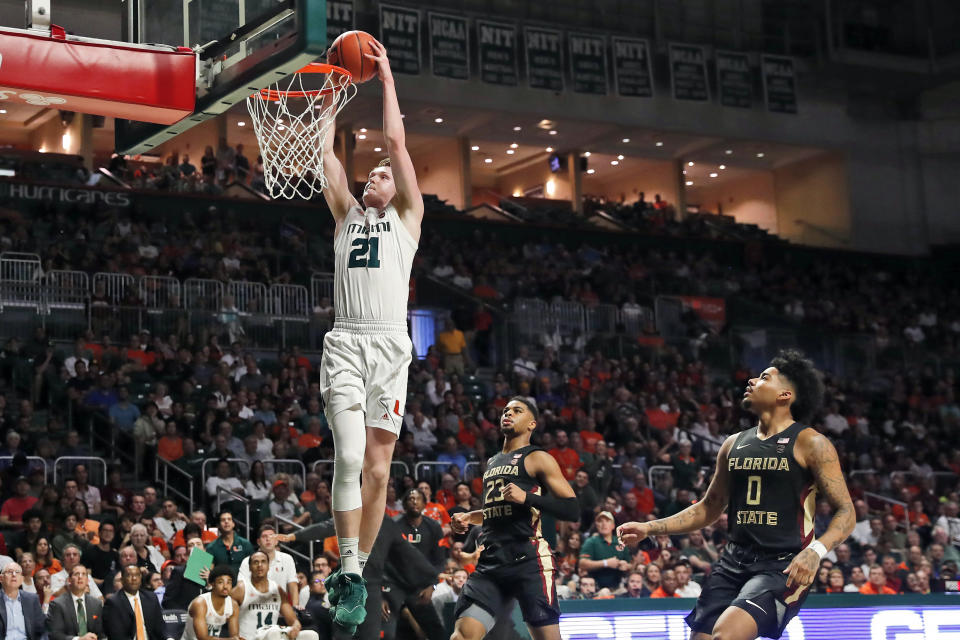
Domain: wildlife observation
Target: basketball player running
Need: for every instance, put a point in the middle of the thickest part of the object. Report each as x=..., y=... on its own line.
x=516, y=561
x=768, y=477
x=211, y=611
x=366, y=355
x=262, y=602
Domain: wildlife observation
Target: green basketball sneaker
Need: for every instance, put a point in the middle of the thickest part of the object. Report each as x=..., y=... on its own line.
x=333, y=585
x=351, y=608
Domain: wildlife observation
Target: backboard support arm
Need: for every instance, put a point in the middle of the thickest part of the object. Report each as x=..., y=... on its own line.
x=38, y=14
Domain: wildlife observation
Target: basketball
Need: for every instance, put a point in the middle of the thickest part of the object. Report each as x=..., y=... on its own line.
x=347, y=52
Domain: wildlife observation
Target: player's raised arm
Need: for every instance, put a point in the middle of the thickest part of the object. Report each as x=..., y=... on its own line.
x=559, y=499
x=694, y=517
x=819, y=455
x=337, y=193
x=409, y=202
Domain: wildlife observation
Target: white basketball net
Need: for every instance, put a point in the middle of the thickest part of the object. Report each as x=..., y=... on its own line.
x=292, y=123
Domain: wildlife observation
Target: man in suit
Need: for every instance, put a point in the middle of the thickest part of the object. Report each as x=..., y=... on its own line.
x=20, y=615
x=76, y=615
x=132, y=613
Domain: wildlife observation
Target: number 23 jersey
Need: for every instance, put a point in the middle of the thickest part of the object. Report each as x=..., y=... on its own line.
x=374, y=254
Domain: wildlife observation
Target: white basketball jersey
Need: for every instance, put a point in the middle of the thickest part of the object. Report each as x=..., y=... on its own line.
x=259, y=609
x=215, y=621
x=374, y=253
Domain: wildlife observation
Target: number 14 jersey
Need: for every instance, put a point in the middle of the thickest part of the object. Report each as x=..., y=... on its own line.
x=259, y=609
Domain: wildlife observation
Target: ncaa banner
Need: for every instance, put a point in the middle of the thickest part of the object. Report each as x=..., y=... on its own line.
x=688, y=73
x=497, y=53
x=779, y=83
x=631, y=68
x=734, y=80
x=400, y=34
x=544, y=58
x=713, y=311
x=449, y=46
x=588, y=63
x=339, y=18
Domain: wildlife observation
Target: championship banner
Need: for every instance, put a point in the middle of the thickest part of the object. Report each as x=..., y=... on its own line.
x=339, y=18
x=631, y=68
x=497, y=53
x=588, y=63
x=734, y=80
x=449, y=46
x=400, y=34
x=544, y=58
x=779, y=84
x=688, y=73
x=713, y=311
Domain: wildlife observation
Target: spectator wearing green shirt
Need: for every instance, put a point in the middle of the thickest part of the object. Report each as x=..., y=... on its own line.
x=229, y=548
x=600, y=557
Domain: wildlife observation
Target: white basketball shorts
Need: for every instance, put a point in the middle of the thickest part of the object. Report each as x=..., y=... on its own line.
x=365, y=363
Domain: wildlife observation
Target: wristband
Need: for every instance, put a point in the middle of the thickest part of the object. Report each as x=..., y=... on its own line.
x=604, y=562
x=819, y=547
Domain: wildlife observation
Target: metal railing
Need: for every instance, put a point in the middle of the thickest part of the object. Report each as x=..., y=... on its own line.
x=275, y=462
x=56, y=464
x=433, y=464
x=46, y=468
x=235, y=497
x=398, y=468
x=20, y=267
x=167, y=488
x=115, y=285
x=293, y=551
x=658, y=468
x=882, y=498
x=321, y=286
x=115, y=452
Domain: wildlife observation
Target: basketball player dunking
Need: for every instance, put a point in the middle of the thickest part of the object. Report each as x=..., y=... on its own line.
x=768, y=477
x=363, y=370
x=519, y=484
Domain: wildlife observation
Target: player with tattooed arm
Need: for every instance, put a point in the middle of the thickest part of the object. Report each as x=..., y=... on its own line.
x=768, y=477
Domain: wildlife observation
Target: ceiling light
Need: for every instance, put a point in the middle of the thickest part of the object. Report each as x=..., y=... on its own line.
x=614, y=162
x=438, y=120
x=690, y=164
x=591, y=171
x=722, y=167
x=3, y=110
x=514, y=145
x=518, y=128
x=760, y=155
x=729, y=152
x=586, y=154
x=510, y=152
x=689, y=183
x=713, y=175
x=625, y=140
x=239, y=124
x=552, y=132
x=361, y=137
x=402, y=115
x=659, y=143
x=363, y=130
x=684, y=172
x=377, y=149
x=619, y=157
x=474, y=148
x=488, y=160
x=549, y=149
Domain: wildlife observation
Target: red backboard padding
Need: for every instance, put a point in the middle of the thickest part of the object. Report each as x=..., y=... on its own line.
x=93, y=76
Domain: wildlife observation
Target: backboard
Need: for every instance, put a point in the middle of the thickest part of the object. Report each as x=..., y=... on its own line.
x=244, y=45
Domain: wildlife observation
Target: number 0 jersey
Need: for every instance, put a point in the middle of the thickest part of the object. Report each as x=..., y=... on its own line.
x=772, y=498
x=374, y=254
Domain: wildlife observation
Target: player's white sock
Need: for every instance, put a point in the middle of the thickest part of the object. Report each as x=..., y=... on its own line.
x=349, y=554
x=363, y=555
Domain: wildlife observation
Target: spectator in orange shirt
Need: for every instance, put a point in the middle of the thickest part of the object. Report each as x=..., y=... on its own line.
x=453, y=347
x=446, y=494
x=567, y=458
x=877, y=584
x=668, y=586
x=198, y=518
x=312, y=438
x=646, y=501
x=917, y=517
x=590, y=437
x=434, y=510
x=170, y=446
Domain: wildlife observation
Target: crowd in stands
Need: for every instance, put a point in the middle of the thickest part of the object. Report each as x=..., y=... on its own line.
x=636, y=436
